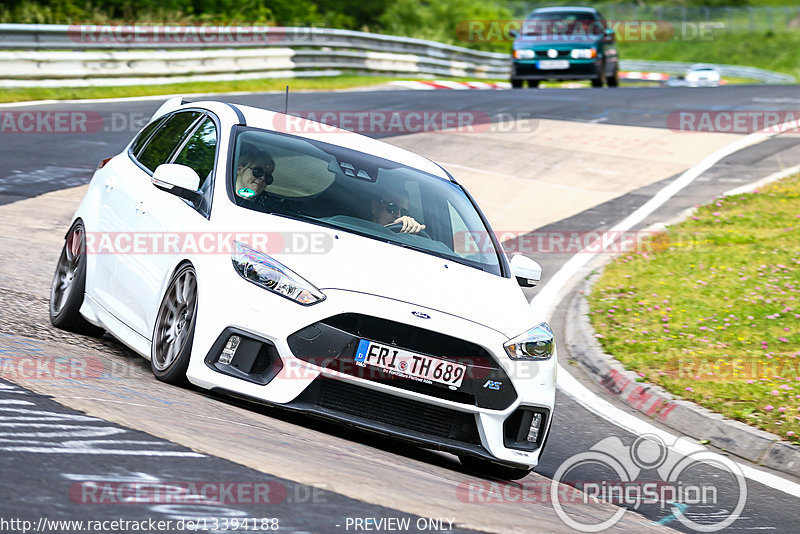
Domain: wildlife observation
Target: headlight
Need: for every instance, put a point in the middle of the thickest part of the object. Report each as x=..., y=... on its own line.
x=272, y=275
x=583, y=53
x=535, y=344
x=524, y=54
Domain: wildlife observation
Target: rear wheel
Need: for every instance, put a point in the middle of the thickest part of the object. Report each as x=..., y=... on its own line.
x=493, y=469
x=516, y=84
x=533, y=84
x=69, y=285
x=174, y=329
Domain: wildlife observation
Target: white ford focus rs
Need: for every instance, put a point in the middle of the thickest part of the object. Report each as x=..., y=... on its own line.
x=295, y=264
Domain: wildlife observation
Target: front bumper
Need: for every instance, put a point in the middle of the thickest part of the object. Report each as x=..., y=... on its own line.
x=317, y=378
x=578, y=70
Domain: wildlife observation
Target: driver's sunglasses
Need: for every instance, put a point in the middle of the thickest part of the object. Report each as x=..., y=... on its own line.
x=258, y=172
x=393, y=209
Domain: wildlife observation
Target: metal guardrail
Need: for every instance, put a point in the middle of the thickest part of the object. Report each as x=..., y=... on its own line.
x=62, y=55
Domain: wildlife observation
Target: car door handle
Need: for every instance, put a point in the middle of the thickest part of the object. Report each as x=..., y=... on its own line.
x=141, y=208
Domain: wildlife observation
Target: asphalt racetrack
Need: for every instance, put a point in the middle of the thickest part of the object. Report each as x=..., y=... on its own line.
x=584, y=160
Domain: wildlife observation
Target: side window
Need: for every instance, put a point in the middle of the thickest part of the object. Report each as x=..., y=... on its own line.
x=167, y=139
x=200, y=150
x=140, y=141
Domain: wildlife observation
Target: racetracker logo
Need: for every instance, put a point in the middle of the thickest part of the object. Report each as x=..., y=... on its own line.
x=540, y=31
x=648, y=472
x=403, y=122
x=50, y=368
x=70, y=122
x=206, y=242
x=50, y=122
x=570, y=242
x=175, y=34
x=105, y=492
x=738, y=122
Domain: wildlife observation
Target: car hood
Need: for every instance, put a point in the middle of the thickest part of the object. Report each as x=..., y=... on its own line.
x=352, y=262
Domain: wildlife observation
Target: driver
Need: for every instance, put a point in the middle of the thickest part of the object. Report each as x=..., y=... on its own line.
x=253, y=173
x=391, y=209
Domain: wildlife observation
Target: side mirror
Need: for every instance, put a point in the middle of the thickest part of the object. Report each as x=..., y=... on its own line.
x=610, y=35
x=527, y=271
x=179, y=180
x=513, y=33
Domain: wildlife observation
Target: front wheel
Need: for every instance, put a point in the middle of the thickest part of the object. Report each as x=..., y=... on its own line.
x=613, y=80
x=533, y=84
x=493, y=469
x=174, y=329
x=516, y=84
x=69, y=285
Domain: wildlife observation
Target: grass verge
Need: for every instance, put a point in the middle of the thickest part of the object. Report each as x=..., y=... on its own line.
x=710, y=309
x=775, y=51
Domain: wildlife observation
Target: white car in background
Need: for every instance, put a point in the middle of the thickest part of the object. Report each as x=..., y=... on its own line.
x=291, y=293
x=701, y=75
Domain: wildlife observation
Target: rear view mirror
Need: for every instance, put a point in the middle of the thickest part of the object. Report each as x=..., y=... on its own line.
x=527, y=271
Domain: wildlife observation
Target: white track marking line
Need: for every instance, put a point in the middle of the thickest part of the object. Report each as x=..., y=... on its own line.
x=633, y=424
x=746, y=188
x=559, y=285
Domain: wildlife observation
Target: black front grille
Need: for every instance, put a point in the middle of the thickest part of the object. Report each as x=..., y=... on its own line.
x=348, y=398
x=332, y=343
x=410, y=337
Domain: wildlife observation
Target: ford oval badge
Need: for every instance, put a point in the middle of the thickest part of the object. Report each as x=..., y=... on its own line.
x=420, y=315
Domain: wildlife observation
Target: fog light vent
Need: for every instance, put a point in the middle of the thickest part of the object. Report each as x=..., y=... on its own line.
x=525, y=429
x=536, y=425
x=230, y=350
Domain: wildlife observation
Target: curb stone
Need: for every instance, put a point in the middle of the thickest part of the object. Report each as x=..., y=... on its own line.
x=742, y=440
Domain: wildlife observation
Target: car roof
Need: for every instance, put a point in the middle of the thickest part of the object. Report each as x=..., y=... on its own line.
x=262, y=118
x=564, y=8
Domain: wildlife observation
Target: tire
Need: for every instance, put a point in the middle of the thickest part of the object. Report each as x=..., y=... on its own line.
x=173, y=332
x=69, y=285
x=533, y=84
x=601, y=77
x=613, y=81
x=493, y=469
x=516, y=84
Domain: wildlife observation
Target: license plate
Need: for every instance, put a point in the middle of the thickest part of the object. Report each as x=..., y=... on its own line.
x=553, y=64
x=407, y=364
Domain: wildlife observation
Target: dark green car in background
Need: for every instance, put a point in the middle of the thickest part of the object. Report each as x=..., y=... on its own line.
x=565, y=43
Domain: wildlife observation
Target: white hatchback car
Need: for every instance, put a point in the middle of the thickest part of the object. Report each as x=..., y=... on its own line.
x=701, y=75
x=301, y=265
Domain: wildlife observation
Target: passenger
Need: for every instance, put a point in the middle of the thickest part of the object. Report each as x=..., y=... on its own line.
x=393, y=209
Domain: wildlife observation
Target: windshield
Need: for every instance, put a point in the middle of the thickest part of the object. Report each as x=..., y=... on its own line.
x=358, y=193
x=559, y=22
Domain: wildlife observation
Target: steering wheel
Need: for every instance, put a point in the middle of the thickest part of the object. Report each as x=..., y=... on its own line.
x=397, y=227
